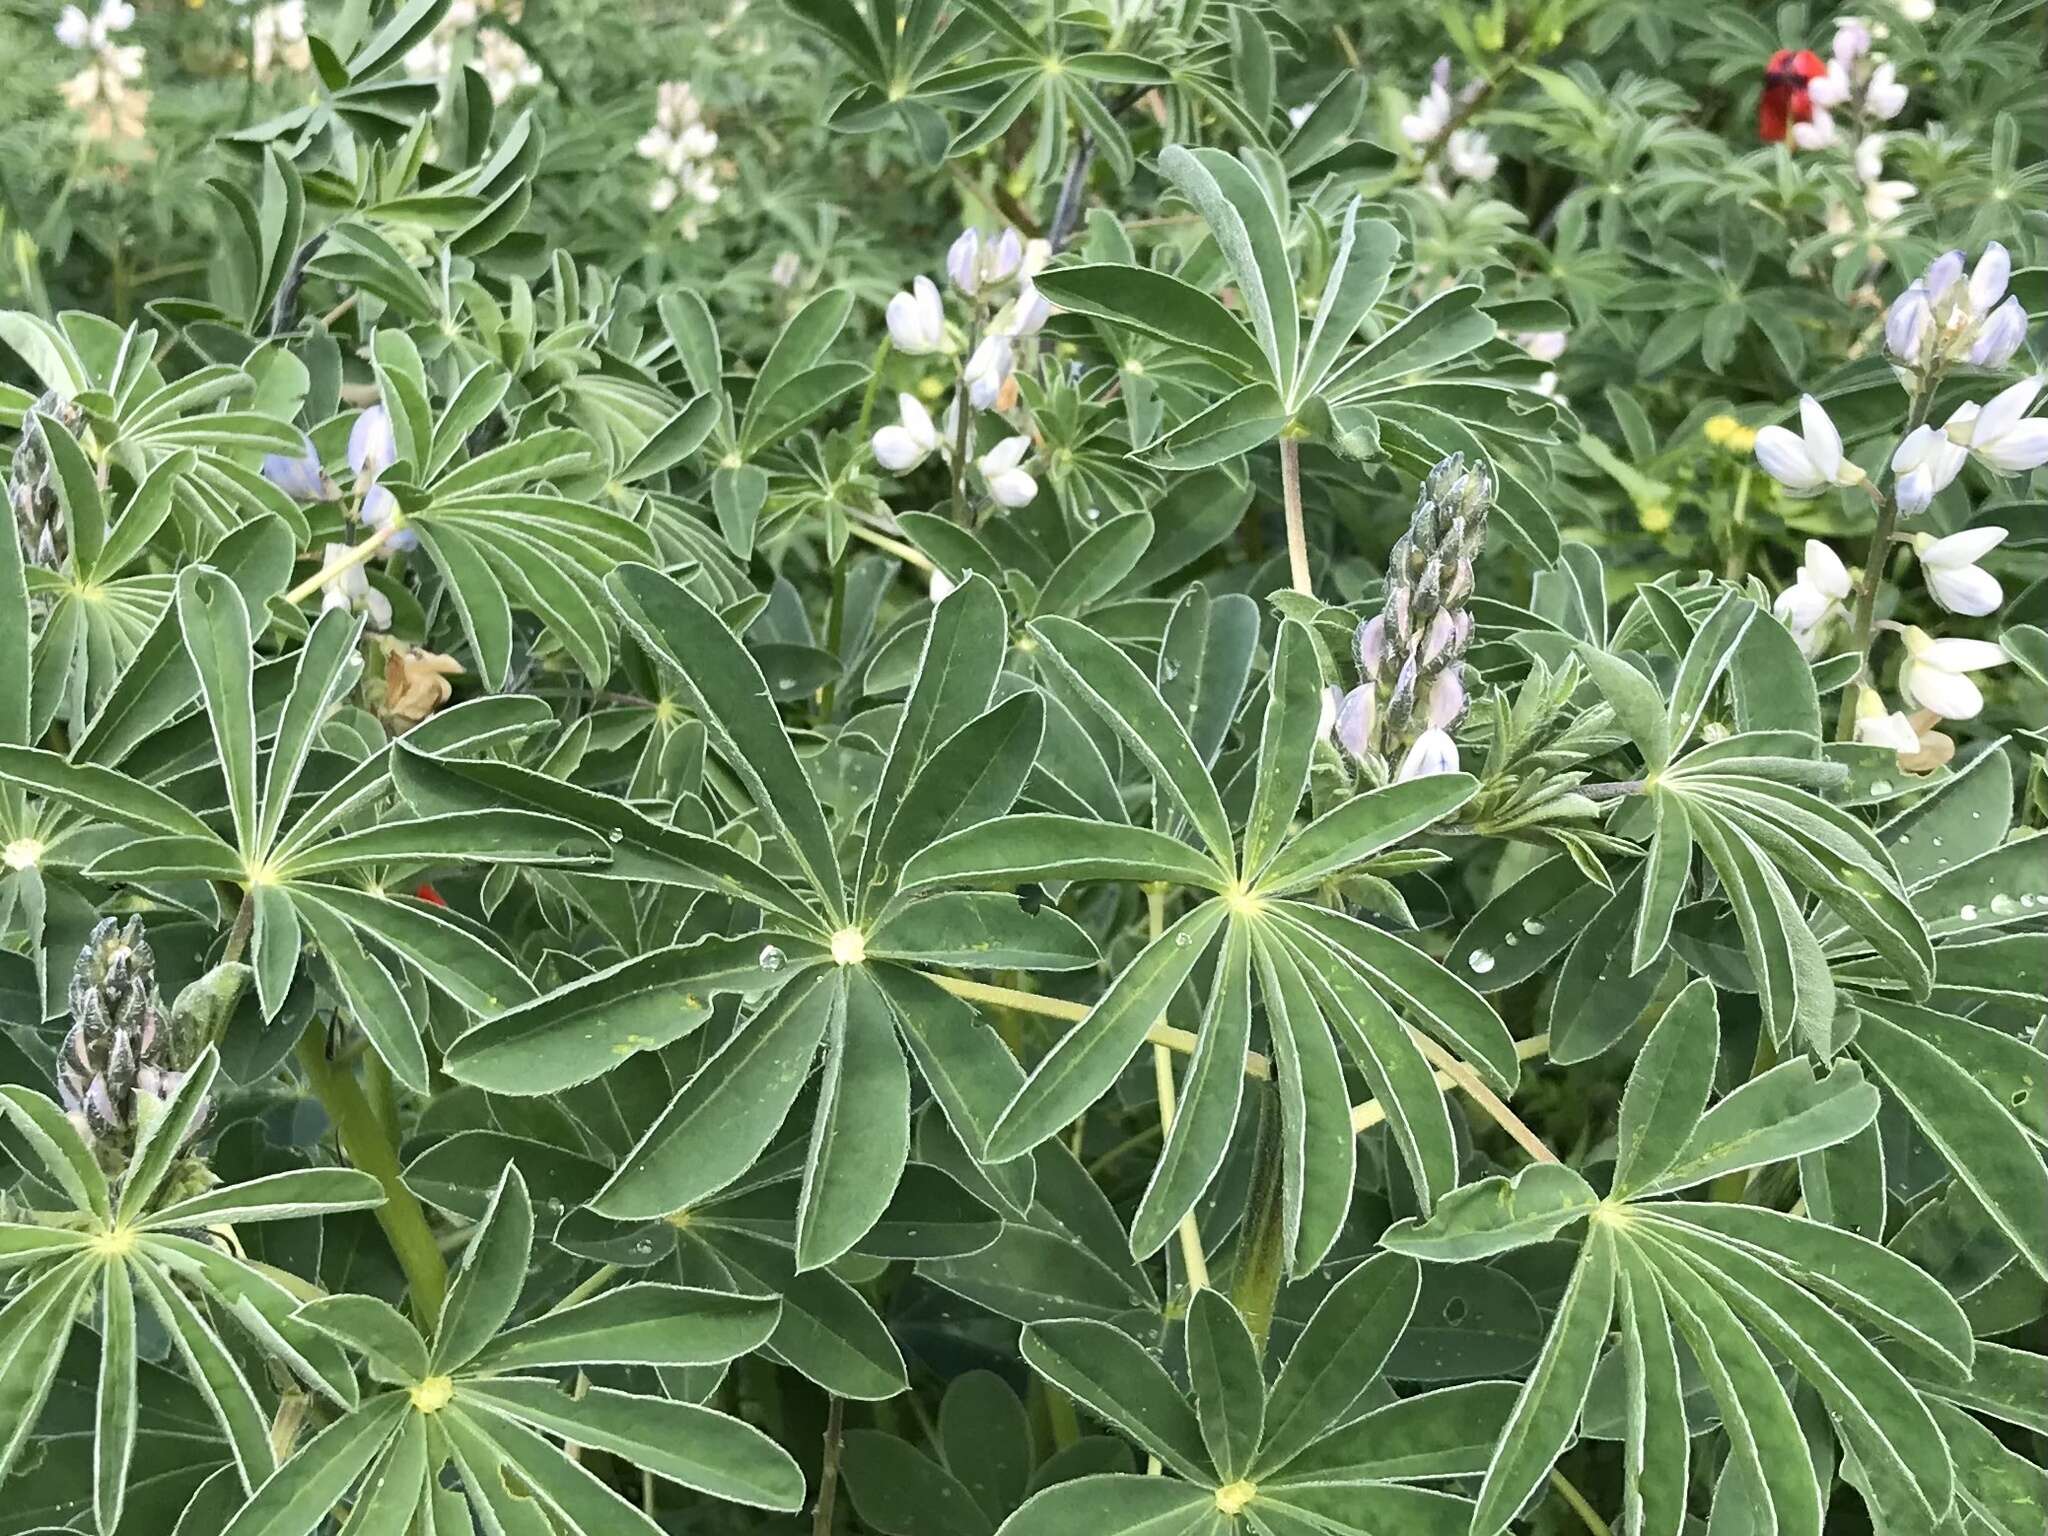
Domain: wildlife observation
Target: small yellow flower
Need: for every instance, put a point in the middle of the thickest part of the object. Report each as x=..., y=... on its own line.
x=930, y=387
x=1655, y=518
x=1725, y=431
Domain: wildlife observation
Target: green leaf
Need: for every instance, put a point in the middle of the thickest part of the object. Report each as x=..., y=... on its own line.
x=1230, y=1394
x=114, y=1415
x=860, y=1138
x=326, y=660
x=640, y=1324
x=493, y=1273
x=99, y=792
x=294, y=1192
x=1086, y=1060
x=1361, y=827
x=302, y=1492
x=374, y=1329
x=1157, y=305
x=696, y=1447
x=1667, y=1090
x=1657, y=1444
x=1638, y=707
x=1496, y=1215
x=714, y=1129
x=60, y=1147
x=983, y=930
x=1127, y=702
x=731, y=696
x=972, y=777
x=1665, y=878
x=1781, y=1115
x=1209, y=1097
x=1332, y=1365
x=1011, y=850
x=1547, y=1411
x=216, y=628
x=1450, y=1432
x=34, y=1328
x=1318, y=1146
x=1241, y=217
x=1109, y=1372
x=1117, y=1504
x=163, y=1135
x=216, y=1372
x=373, y=997
x=1973, y=1132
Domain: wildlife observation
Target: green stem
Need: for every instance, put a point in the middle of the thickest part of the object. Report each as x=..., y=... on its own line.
x=238, y=936
x=867, y=401
x=1588, y=1515
x=1297, y=525
x=828, y=1473
x=1261, y=1243
x=1873, y=570
x=366, y=1146
x=963, y=412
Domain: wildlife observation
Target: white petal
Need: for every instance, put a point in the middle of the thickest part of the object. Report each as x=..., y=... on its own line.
x=1893, y=730
x=1824, y=570
x=1988, y=281
x=917, y=422
x=1948, y=694
x=1959, y=655
x=1823, y=442
x=896, y=450
x=1971, y=591
x=1783, y=457
x=2023, y=447
x=1914, y=491
x=1012, y=488
x=1961, y=549
x=2002, y=412
x=1006, y=455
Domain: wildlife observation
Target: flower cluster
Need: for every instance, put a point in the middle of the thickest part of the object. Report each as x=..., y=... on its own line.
x=1858, y=82
x=1942, y=320
x=680, y=147
x=497, y=57
x=1466, y=152
x=32, y=493
x=121, y=1059
x=1002, y=320
x=1411, y=654
x=103, y=92
x=372, y=449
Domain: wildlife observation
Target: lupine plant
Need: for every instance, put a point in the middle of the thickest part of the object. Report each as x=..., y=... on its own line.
x=894, y=768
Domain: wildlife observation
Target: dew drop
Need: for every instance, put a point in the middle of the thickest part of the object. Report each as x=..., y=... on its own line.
x=617, y=834
x=772, y=959
x=1093, y=514
x=2004, y=905
x=1937, y=842
x=1514, y=939
x=1533, y=926
x=1880, y=786
x=1968, y=913
x=1480, y=961
x=1182, y=941
x=785, y=683
x=1976, y=815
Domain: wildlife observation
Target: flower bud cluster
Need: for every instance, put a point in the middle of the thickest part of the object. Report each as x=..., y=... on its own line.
x=1411, y=654
x=1941, y=319
x=32, y=484
x=123, y=1048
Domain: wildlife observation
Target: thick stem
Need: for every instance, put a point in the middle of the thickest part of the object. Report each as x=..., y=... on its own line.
x=1297, y=529
x=238, y=936
x=828, y=1472
x=363, y=1142
x=1261, y=1242
x=1862, y=625
x=359, y=555
x=1193, y=1260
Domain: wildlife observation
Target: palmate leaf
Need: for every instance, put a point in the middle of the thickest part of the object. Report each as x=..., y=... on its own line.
x=1740, y=1283
x=1322, y=976
x=1298, y=1457
x=453, y=1399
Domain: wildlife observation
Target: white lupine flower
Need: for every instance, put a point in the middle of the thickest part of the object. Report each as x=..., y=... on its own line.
x=1917, y=11
x=1878, y=727
x=351, y=590
x=1468, y=154
x=1008, y=484
x=1834, y=88
x=1819, y=593
x=372, y=443
x=1925, y=462
x=987, y=371
x=1037, y=252
x=1999, y=336
x=2000, y=433
x=917, y=319
x=787, y=269
x=1954, y=578
x=1884, y=201
x=1852, y=39
x=1935, y=674
x=277, y=38
x=1810, y=462
x=963, y=261
x=1884, y=97
x=1432, y=114
x=1818, y=132
x=379, y=508
x=907, y=444
x=75, y=30
x=975, y=264
x=680, y=147
x=1908, y=324
x=1433, y=752
x=1942, y=274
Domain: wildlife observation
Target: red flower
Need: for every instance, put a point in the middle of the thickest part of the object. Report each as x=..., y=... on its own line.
x=426, y=892
x=1785, y=101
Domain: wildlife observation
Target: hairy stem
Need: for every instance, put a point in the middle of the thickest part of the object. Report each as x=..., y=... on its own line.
x=365, y=1145
x=828, y=1471
x=1262, y=1240
x=1464, y=1077
x=1874, y=562
x=1297, y=529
